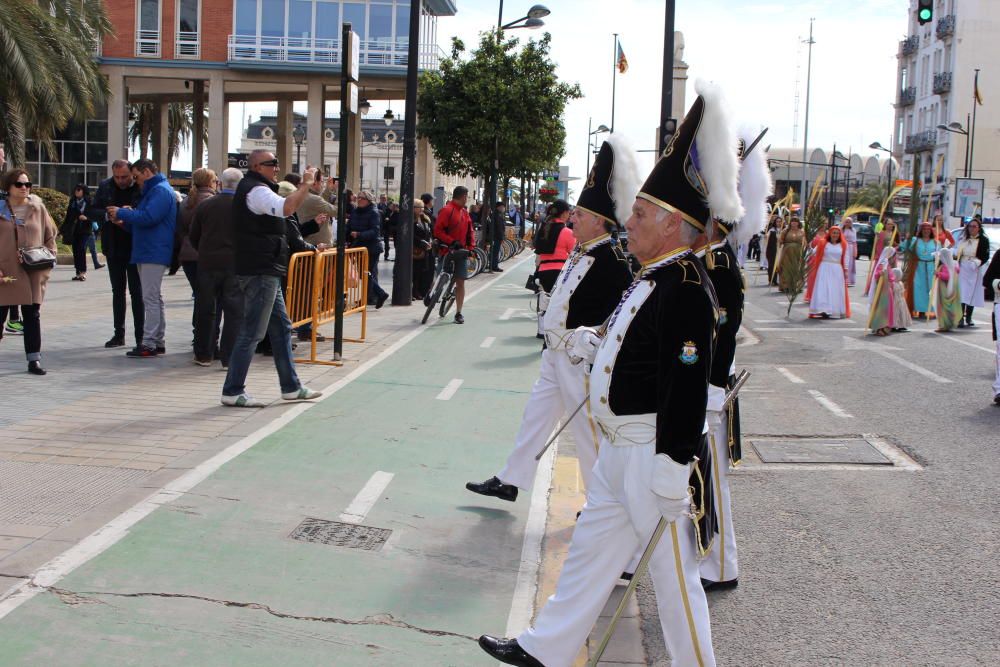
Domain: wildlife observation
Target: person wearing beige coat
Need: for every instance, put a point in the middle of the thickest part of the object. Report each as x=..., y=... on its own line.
x=24, y=223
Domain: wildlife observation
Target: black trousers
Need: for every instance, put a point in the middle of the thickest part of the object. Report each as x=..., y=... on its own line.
x=375, y=290
x=122, y=274
x=218, y=295
x=80, y=253
x=31, y=319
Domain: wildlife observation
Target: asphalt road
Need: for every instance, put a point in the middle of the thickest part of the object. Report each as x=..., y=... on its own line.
x=863, y=566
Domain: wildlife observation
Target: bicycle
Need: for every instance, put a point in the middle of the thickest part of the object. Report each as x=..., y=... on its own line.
x=443, y=287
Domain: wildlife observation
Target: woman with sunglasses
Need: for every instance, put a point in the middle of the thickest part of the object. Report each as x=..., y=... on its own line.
x=24, y=223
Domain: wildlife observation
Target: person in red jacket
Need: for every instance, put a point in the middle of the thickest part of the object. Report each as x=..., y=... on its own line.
x=453, y=229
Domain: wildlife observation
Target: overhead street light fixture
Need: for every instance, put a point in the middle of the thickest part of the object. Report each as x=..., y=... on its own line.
x=956, y=128
x=538, y=12
x=601, y=129
x=532, y=20
x=388, y=117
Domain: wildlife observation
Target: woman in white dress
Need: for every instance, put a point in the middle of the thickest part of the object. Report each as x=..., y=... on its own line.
x=972, y=253
x=827, y=288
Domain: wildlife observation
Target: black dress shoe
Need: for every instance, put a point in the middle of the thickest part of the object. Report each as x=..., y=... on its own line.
x=710, y=585
x=507, y=651
x=35, y=368
x=381, y=301
x=494, y=487
x=115, y=342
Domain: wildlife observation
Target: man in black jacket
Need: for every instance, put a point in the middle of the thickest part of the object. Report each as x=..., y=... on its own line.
x=120, y=190
x=261, y=262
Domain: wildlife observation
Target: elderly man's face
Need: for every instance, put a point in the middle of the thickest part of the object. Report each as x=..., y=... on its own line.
x=266, y=166
x=645, y=229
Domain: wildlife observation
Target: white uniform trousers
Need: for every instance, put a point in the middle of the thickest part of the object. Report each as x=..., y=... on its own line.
x=720, y=564
x=620, y=515
x=560, y=388
x=996, y=318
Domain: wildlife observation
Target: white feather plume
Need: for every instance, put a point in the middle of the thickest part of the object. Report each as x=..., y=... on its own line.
x=717, y=146
x=625, y=177
x=755, y=188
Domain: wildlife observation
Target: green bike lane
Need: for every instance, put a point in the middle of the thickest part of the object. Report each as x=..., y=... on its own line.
x=214, y=578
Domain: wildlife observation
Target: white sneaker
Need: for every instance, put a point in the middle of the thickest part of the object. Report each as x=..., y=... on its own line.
x=243, y=400
x=302, y=394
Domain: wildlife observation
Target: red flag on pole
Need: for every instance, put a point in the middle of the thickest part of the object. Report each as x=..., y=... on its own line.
x=623, y=62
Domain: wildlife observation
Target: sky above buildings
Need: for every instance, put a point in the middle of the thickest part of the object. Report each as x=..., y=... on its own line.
x=753, y=48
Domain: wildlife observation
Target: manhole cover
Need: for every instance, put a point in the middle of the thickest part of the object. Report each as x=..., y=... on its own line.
x=818, y=450
x=349, y=535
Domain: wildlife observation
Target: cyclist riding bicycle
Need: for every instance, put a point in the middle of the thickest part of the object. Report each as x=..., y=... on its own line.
x=453, y=230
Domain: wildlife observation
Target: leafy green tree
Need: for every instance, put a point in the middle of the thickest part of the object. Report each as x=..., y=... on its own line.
x=871, y=195
x=48, y=70
x=501, y=102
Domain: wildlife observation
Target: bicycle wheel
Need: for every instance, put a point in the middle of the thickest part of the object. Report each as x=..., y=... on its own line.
x=473, y=265
x=435, y=293
x=483, y=260
x=447, y=299
x=507, y=250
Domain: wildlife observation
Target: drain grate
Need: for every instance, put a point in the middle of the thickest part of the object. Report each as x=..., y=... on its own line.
x=850, y=450
x=338, y=534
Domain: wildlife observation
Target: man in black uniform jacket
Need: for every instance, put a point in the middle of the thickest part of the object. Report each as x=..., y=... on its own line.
x=648, y=389
x=587, y=290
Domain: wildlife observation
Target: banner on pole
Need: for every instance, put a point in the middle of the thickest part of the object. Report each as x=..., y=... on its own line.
x=968, y=197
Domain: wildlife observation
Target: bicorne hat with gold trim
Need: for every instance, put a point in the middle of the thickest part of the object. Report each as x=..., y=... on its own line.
x=697, y=174
x=612, y=182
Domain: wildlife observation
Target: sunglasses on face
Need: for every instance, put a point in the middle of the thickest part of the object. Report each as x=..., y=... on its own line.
x=269, y=163
x=22, y=184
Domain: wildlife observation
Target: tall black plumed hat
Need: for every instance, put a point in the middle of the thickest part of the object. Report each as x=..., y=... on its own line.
x=697, y=174
x=612, y=183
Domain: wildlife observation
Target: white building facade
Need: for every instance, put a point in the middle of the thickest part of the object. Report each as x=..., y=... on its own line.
x=936, y=70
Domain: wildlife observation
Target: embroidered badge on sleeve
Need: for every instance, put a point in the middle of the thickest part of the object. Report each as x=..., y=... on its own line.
x=689, y=353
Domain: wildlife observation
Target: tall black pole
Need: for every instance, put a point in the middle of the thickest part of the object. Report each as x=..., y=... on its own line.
x=968, y=128
x=972, y=130
x=667, y=85
x=402, y=275
x=345, y=141
x=614, y=82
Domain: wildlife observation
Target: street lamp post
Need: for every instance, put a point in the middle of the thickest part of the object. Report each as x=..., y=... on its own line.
x=532, y=20
x=876, y=146
x=592, y=140
x=298, y=135
x=956, y=128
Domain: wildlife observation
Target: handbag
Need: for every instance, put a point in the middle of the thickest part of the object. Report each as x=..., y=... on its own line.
x=34, y=258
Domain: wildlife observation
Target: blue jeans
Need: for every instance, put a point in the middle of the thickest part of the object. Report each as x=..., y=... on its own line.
x=263, y=312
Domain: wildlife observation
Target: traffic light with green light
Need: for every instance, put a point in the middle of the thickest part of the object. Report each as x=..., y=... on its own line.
x=925, y=11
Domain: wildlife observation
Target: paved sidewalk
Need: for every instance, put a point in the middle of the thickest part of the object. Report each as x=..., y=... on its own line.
x=101, y=430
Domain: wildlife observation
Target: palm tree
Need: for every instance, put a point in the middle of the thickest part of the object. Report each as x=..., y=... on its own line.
x=48, y=69
x=180, y=128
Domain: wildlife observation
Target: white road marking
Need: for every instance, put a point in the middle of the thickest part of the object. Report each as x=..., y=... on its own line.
x=913, y=367
x=955, y=339
x=790, y=376
x=366, y=498
x=830, y=405
x=488, y=342
x=110, y=533
x=507, y=314
x=449, y=390
x=820, y=328
x=522, y=607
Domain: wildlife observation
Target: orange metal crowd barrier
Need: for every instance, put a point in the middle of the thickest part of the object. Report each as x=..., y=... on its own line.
x=312, y=288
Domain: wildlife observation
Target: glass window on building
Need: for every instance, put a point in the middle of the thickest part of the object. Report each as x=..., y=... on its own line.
x=272, y=18
x=354, y=13
x=246, y=17
x=74, y=152
x=327, y=20
x=149, y=15
x=97, y=130
x=402, y=26
x=300, y=19
x=380, y=25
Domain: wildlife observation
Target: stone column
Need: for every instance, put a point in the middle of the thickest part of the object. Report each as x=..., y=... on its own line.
x=117, y=116
x=197, y=143
x=217, y=123
x=425, y=170
x=285, y=149
x=161, y=136
x=313, y=155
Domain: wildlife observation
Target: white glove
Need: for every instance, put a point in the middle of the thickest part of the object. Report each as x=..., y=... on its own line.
x=670, y=485
x=543, y=301
x=582, y=344
x=996, y=286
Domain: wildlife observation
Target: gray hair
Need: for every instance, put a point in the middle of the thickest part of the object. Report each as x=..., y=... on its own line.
x=689, y=233
x=231, y=177
x=118, y=164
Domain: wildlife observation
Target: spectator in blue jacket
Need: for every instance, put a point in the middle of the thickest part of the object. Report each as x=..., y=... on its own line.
x=365, y=230
x=152, y=225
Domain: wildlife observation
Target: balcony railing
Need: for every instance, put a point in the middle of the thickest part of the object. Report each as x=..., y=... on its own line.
x=147, y=43
x=910, y=45
x=187, y=45
x=907, y=96
x=942, y=82
x=945, y=26
x=296, y=50
x=921, y=141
